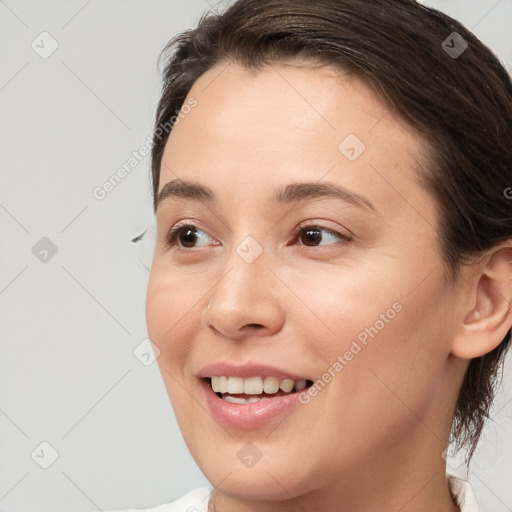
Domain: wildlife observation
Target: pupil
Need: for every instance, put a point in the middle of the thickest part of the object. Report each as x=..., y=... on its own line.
x=312, y=237
x=188, y=236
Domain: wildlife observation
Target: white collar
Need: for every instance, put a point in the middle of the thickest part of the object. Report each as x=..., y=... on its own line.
x=463, y=494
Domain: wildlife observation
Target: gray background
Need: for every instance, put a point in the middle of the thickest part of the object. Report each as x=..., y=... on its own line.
x=70, y=323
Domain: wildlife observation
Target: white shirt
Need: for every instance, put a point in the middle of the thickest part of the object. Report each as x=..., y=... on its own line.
x=197, y=500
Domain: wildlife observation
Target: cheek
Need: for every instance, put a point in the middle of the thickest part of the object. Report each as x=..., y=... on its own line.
x=170, y=310
x=398, y=374
x=339, y=305
x=382, y=339
x=160, y=309
x=169, y=313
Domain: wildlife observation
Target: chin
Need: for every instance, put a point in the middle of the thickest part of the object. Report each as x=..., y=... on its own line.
x=252, y=467
x=270, y=482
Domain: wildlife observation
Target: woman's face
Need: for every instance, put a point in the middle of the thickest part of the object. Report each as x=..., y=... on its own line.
x=310, y=255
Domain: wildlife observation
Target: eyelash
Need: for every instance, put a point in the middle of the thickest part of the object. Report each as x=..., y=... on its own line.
x=172, y=236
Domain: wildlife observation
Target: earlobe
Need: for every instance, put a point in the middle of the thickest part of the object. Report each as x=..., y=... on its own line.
x=489, y=317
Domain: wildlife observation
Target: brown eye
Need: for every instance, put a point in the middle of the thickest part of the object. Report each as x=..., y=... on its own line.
x=187, y=236
x=313, y=236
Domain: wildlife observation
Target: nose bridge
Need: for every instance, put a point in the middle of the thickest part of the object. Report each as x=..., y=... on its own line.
x=244, y=296
x=242, y=284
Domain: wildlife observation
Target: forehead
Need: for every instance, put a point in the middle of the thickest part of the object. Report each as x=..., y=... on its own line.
x=296, y=101
x=290, y=121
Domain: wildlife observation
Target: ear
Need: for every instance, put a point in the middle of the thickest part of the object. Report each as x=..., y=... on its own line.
x=488, y=314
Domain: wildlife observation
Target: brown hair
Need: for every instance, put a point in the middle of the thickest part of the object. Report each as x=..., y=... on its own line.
x=461, y=105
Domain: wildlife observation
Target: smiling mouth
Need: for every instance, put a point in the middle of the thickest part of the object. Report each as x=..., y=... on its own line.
x=238, y=390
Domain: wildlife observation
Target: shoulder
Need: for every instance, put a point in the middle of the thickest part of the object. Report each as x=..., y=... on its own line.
x=463, y=493
x=193, y=501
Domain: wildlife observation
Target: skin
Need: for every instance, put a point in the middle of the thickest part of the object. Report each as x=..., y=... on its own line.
x=383, y=422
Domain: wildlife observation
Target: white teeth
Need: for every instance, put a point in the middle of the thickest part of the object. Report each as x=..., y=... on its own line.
x=215, y=384
x=254, y=385
x=234, y=399
x=235, y=385
x=271, y=385
x=237, y=400
x=287, y=385
x=300, y=385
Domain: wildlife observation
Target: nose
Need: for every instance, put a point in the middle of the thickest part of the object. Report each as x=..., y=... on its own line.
x=246, y=301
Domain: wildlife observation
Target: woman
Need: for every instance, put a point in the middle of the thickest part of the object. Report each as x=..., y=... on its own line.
x=330, y=290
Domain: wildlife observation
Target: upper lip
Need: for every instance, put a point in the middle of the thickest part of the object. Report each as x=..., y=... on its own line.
x=246, y=370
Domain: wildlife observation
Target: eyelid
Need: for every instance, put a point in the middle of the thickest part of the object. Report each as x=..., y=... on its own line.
x=344, y=237
x=343, y=233
x=172, y=233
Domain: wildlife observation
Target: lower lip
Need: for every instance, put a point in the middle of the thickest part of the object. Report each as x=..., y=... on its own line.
x=247, y=416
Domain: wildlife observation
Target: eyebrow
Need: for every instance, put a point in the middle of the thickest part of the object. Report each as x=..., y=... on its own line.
x=290, y=193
